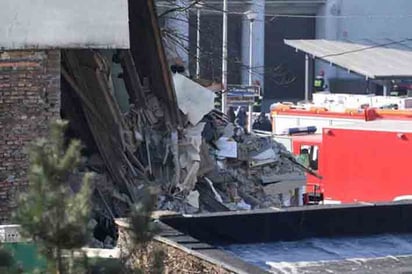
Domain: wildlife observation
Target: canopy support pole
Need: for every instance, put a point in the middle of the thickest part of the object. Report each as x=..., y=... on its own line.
x=306, y=77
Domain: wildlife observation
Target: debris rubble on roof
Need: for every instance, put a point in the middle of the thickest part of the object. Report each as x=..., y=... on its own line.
x=202, y=161
x=170, y=137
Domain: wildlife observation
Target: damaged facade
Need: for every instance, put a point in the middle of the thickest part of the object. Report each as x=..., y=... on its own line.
x=29, y=101
x=167, y=136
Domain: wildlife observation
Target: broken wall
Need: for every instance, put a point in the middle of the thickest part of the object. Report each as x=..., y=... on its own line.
x=151, y=62
x=29, y=100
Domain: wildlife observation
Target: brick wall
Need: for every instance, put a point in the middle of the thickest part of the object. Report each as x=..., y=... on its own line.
x=29, y=100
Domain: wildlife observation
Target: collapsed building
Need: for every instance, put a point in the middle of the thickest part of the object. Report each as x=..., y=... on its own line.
x=141, y=125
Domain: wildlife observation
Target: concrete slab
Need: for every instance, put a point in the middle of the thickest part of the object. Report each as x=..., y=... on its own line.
x=27, y=24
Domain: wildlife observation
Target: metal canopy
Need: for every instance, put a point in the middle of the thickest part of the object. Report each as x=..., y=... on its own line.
x=375, y=62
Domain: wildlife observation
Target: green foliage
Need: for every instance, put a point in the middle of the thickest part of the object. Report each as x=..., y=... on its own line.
x=49, y=212
x=142, y=228
x=6, y=259
x=24, y=257
x=105, y=266
x=97, y=265
x=56, y=219
x=158, y=261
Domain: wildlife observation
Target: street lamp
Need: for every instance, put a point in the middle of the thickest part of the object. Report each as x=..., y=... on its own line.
x=224, y=57
x=251, y=16
x=198, y=6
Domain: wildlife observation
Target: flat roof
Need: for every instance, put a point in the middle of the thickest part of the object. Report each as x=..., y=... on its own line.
x=378, y=125
x=379, y=61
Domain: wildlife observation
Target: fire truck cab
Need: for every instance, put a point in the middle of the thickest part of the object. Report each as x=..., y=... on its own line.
x=307, y=149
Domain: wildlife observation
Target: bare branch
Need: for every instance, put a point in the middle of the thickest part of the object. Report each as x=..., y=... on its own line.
x=180, y=9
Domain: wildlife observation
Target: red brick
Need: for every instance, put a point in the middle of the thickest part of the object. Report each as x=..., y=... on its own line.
x=24, y=86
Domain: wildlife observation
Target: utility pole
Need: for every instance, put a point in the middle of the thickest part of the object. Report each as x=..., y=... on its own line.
x=251, y=20
x=306, y=78
x=199, y=5
x=251, y=16
x=224, y=58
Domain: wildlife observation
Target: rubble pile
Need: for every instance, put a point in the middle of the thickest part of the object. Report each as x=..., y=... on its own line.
x=256, y=162
x=202, y=163
x=219, y=161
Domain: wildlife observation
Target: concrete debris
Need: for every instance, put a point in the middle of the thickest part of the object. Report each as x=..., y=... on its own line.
x=193, y=198
x=239, y=166
x=205, y=164
x=190, y=178
x=274, y=178
x=109, y=242
x=207, y=198
x=189, y=156
x=217, y=195
x=167, y=136
x=229, y=130
x=226, y=147
x=94, y=243
x=267, y=154
x=243, y=206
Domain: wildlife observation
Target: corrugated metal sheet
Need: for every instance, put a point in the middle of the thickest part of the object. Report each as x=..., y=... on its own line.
x=379, y=61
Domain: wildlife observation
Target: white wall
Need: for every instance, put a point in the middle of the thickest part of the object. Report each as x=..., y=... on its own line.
x=328, y=28
x=389, y=19
x=64, y=24
x=366, y=19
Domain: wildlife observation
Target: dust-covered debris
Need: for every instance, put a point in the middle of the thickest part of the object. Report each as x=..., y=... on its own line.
x=197, y=161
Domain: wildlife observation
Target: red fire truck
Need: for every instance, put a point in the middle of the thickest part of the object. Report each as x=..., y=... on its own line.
x=360, y=161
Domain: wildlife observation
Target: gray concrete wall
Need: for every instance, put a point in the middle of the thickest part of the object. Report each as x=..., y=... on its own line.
x=382, y=19
x=64, y=24
x=361, y=21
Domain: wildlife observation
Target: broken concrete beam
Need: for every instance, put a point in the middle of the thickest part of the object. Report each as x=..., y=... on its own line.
x=283, y=187
x=191, y=178
x=267, y=179
x=131, y=78
x=249, y=198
